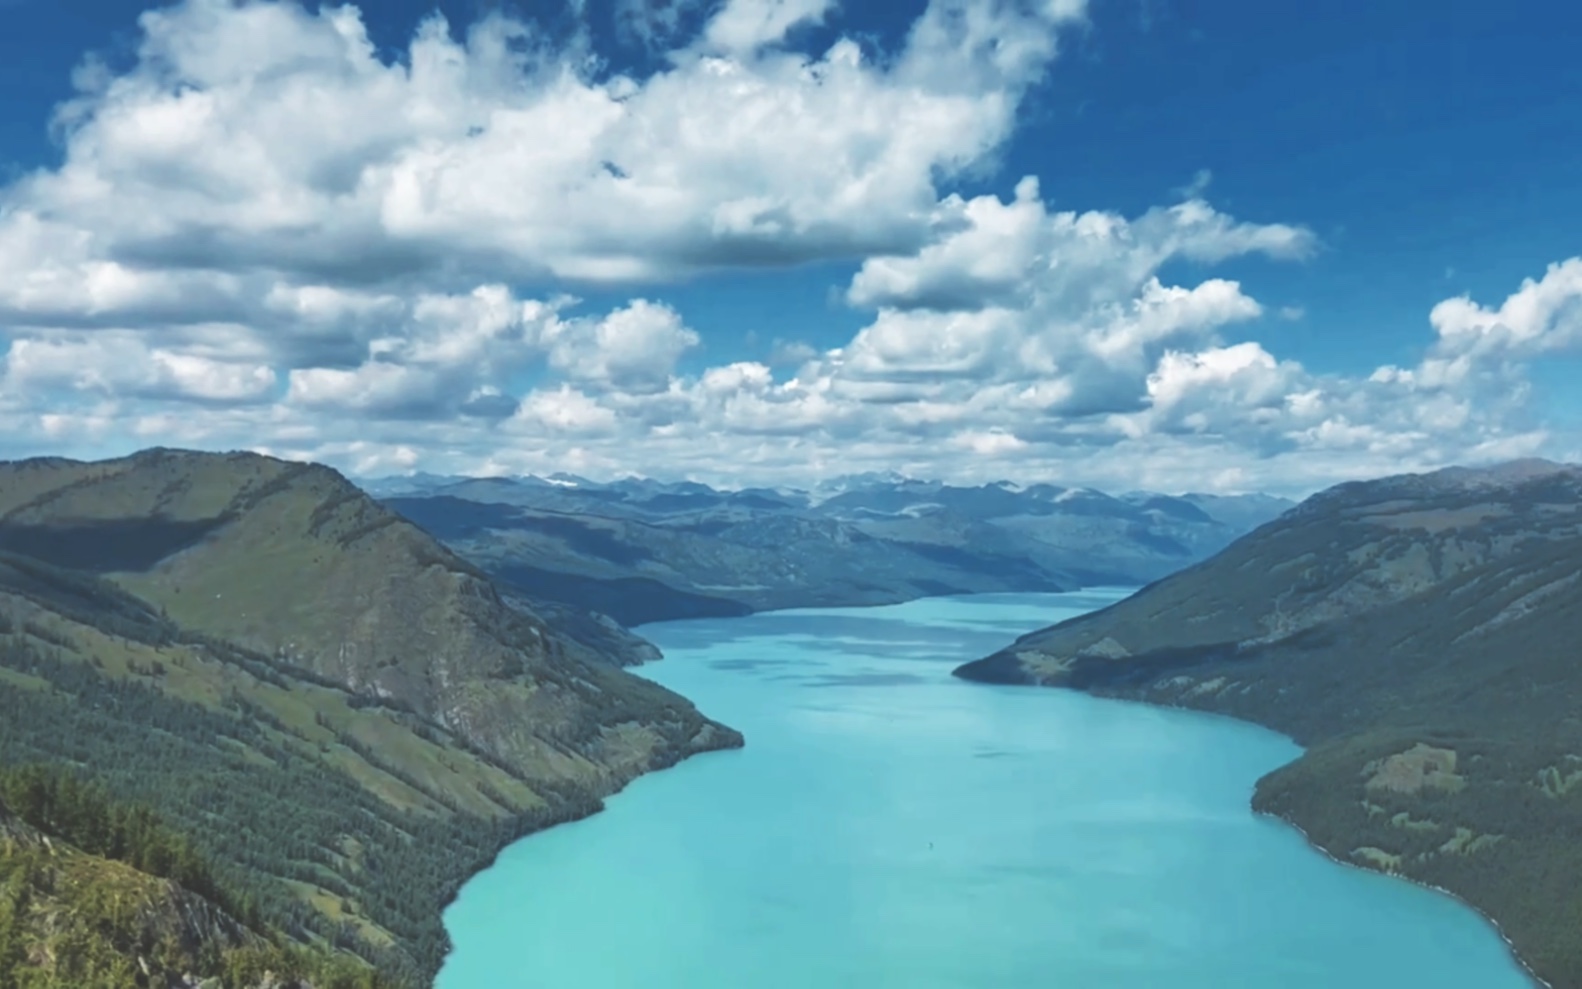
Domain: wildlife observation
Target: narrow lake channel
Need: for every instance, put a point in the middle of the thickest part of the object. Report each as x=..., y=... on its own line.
x=890, y=827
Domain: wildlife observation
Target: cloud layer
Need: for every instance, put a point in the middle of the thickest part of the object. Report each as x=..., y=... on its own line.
x=263, y=234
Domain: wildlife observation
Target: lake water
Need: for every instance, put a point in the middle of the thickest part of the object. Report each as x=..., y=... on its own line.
x=890, y=827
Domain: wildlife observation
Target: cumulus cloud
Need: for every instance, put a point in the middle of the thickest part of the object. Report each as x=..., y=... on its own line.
x=261, y=136
x=432, y=355
x=564, y=410
x=1466, y=399
x=1069, y=304
x=265, y=233
x=634, y=348
x=744, y=26
x=120, y=364
x=1013, y=250
x=1541, y=316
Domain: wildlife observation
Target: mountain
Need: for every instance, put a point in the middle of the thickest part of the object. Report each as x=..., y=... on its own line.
x=344, y=714
x=642, y=550
x=1418, y=634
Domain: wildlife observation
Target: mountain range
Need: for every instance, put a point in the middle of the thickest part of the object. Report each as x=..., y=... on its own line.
x=1419, y=635
x=641, y=550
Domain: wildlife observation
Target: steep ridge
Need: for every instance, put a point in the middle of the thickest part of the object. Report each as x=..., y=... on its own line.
x=347, y=715
x=292, y=561
x=1419, y=634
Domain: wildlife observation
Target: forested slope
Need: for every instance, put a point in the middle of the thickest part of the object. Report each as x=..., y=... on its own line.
x=1420, y=634
x=341, y=716
x=96, y=894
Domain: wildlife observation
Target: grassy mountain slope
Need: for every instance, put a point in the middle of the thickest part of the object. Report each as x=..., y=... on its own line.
x=341, y=712
x=1420, y=635
x=77, y=919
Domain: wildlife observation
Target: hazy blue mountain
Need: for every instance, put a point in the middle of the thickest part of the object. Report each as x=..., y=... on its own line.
x=641, y=550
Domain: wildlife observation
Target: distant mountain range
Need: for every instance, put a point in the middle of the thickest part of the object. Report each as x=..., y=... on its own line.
x=641, y=550
x=347, y=718
x=1420, y=634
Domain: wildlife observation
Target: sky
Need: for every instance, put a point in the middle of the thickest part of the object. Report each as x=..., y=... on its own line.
x=1165, y=244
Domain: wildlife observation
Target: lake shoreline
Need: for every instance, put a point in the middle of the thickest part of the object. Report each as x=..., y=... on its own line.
x=1527, y=969
x=1516, y=955
x=594, y=805
x=1537, y=980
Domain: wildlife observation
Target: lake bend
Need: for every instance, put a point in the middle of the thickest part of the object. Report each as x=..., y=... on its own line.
x=891, y=827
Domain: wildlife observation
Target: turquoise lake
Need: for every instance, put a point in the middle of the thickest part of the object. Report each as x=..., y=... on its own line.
x=890, y=827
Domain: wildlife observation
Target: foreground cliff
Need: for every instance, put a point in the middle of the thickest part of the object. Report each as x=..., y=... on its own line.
x=95, y=895
x=346, y=716
x=1419, y=634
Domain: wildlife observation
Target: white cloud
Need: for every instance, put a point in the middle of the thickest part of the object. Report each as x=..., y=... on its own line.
x=562, y=411
x=433, y=354
x=934, y=345
x=1076, y=260
x=987, y=260
x=988, y=443
x=1483, y=353
x=377, y=387
x=1068, y=304
x=1542, y=316
x=1247, y=368
x=260, y=136
x=119, y=364
x=634, y=348
x=653, y=24
x=265, y=234
x=744, y=26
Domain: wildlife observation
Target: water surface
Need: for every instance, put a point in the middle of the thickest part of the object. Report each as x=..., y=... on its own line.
x=890, y=827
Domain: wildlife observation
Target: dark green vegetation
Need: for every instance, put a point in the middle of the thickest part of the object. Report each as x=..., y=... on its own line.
x=343, y=719
x=641, y=550
x=1421, y=636
x=100, y=895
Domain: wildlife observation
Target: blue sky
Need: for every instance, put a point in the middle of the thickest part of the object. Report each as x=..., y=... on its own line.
x=1165, y=243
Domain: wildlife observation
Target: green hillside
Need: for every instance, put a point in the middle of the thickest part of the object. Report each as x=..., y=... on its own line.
x=100, y=895
x=1420, y=635
x=343, y=717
